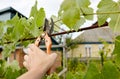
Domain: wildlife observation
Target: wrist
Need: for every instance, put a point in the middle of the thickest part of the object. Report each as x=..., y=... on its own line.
x=37, y=72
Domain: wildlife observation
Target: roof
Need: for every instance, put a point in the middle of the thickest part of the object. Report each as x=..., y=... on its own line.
x=94, y=35
x=12, y=11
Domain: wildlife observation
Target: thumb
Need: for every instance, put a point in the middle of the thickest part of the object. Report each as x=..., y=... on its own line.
x=53, y=57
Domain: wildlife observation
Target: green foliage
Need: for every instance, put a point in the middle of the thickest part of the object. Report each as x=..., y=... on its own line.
x=71, y=44
x=53, y=76
x=57, y=23
x=85, y=9
x=109, y=9
x=92, y=72
x=11, y=34
x=9, y=70
x=74, y=12
x=19, y=28
x=116, y=51
x=110, y=71
x=39, y=15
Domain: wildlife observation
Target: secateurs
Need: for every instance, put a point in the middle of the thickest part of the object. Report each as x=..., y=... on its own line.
x=47, y=29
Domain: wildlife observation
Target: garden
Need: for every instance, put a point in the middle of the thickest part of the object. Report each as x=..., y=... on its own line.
x=21, y=31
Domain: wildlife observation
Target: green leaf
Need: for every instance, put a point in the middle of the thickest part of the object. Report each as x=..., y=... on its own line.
x=57, y=23
x=87, y=13
x=14, y=65
x=79, y=23
x=83, y=3
x=34, y=10
x=40, y=17
x=92, y=72
x=110, y=71
x=116, y=51
x=106, y=7
x=69, y=75
x=71, y=11
x=71, y=16
x=8, y=50
x=85, y=9
x=14, y=75
x=67, y=4
x=18, y=30
x=34, y=30
x=115, y=22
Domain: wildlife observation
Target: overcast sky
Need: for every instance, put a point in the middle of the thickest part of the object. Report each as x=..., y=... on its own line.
x=24, y=6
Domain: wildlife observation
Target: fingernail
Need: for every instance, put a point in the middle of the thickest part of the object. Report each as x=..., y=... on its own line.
x=25, y=50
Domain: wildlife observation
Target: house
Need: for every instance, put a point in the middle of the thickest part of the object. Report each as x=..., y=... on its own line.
x=9, y=13
x=90, y=42
x=18, y=54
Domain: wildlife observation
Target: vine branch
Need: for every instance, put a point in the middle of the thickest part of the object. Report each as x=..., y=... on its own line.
x=67, y=32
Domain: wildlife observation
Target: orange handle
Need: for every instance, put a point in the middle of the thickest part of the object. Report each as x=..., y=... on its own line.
x=48, y=43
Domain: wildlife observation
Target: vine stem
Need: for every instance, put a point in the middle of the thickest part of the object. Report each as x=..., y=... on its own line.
x=66, y=32
x=57, y=20
x=103, y=13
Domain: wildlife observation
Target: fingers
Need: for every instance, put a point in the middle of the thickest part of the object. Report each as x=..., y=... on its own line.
x=26, y=58
x=35, y=50
x=37, y=41
x=26, y=65
x=46, y=35
x=53, y=57
x=26, y=62
x=33, y=47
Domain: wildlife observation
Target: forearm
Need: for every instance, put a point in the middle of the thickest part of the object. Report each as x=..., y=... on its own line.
x=32, y=74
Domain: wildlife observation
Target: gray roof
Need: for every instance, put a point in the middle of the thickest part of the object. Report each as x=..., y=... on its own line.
x=9, y=13
x=94, y=35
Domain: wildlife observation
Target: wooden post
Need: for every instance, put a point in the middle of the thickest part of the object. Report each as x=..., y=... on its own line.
x=64, y=56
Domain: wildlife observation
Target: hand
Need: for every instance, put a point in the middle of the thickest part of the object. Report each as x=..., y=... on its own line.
x=37, y=62
x=36, y=58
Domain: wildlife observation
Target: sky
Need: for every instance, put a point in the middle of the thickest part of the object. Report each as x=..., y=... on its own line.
x=51, y=7
x=24, y=6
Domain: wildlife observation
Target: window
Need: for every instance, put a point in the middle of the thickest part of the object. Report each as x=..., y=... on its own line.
x=101, y=47
x=88, y=50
